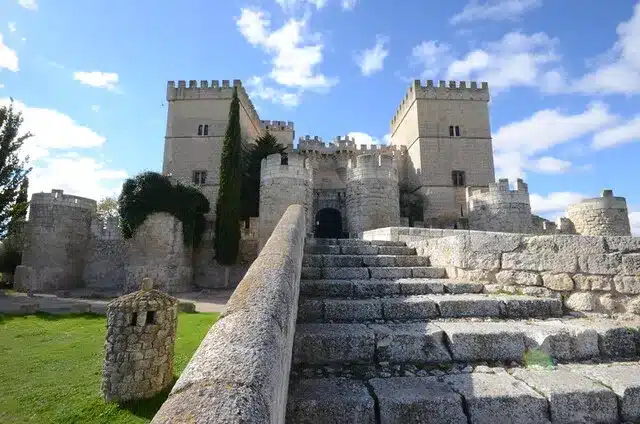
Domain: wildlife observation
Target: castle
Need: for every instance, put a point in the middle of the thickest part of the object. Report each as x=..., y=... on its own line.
x=440, y=153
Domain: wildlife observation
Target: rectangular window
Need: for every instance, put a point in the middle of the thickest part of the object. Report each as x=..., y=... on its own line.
x=450, y=130
x=457, y=178
x=199, y=177
x=206, y=129
x=457, y=131
x=199, y=129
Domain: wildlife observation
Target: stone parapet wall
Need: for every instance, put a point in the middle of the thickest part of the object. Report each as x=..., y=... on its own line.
x=590, y=273
x=500, y=209
x=606, y=215
x=240, y=372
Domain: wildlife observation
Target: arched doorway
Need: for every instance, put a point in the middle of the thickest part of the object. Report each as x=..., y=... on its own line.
x=328, y=223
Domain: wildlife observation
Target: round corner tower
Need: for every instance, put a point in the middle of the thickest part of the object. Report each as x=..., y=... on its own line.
x=139, y=345
x=372, y=193
x=284, y=180
x=601, y=216
x=56, y=238
x=500, y=209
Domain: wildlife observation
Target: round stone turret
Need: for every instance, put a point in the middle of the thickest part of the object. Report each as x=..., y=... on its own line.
x=141, y=332
x=284, y=180
x=601, y=216
x=56, y=237
x=500, y=209
x=372, y=193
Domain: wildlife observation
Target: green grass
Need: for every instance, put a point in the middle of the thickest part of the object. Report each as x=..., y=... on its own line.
x=51, y=368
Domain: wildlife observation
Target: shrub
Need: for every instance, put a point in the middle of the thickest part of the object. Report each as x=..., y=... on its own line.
x=10, y=258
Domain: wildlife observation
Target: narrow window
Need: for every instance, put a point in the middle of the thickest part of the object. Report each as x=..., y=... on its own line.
x=199, y=129
x=284, y=160
x=134, y=319
x=450, y=130
x=457, y=178
x=457, y=131
x=151, y=317
x=199, y=177
x=206, y=129
x=461, y=212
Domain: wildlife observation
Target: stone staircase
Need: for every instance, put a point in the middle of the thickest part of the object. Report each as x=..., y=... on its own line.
x=382, y=337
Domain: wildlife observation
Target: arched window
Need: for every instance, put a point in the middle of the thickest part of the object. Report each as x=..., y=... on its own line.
x=199, y=129
x=206, y=129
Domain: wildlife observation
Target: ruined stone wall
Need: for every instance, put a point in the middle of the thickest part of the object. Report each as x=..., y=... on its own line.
x=372, y=193
x=282, y=185
x=606, y=215
x=500, y=209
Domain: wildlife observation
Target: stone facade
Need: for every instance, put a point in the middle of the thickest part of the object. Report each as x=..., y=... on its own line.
x=141, y=333
x=601, y=216
x=500, y=209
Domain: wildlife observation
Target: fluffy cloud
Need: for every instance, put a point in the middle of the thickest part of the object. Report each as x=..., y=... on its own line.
x=371, y=60
x=634, y=219
x=28, y=4
x=364, y=138
x=54, y=165
x=95, y=108
x=108, y=80
x=554, y=204
x=494, y=10
x=627, y=132
x=294, y=52
x=257, y=88
x=349, y=4
x=517, y=144
x=291, y=5
x=8, y=57
x=431, y=56
x=12, y=26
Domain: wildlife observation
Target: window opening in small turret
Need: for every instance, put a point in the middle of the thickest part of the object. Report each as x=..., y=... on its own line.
x=284, y=160
x=151, y=317
x=134, y=319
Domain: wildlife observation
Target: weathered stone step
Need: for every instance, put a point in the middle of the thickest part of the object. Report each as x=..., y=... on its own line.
x=361, y=273
x=358, y=250
x=534, y=341
x=422, y=307
x=362, y=289
x=585, y=393
x=364, y=260
x=352, y=242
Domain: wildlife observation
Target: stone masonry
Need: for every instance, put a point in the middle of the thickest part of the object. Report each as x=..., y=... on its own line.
x=500, y=209
x=601, y=216
x=141, y=332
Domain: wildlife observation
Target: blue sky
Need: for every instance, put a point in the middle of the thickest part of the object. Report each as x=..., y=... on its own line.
x=90, y=79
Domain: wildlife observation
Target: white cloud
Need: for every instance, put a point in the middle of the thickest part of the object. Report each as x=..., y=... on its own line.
x=8, y=57
x=12, y=26
x=431, y=56
x=257, y=89
x=1, y=85
x=349, y=4
x=371, y=60
x=108, y=80
x=364, y=138
x=494, y=10
x=95, y=108
x=28, y=4
x=551, y=165
x=627, y=132
x=554, y=202
x=620, y=71
x=292, y=5
x=634, y=220
x=294, y=52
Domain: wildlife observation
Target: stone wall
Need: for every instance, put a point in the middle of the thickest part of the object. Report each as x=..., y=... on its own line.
x=240, y=372
x=590, y=273
x=500, y=209
x=600, y=216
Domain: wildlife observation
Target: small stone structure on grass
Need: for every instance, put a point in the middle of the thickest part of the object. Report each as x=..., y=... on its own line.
x=141, y=332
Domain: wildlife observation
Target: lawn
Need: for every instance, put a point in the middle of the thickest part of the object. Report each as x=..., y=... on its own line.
x=51, y=368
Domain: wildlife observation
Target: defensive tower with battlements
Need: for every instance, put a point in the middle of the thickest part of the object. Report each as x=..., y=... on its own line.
x=500, y=209
x=601, y=216
x=446, y=132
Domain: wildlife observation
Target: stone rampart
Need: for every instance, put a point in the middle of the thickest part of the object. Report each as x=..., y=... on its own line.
x=601, y=216
x=590, y=273
x=240, y=372
x=500, y=209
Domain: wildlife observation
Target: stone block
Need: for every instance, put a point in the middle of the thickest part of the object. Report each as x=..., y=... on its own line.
x=631, y=264
x=417, y=400
x=378, y=260
x=468, y=305
x=498, y=398
x=419, y=342
x=410, y=286
x=352, y=310
x=558, y=282
x=333, y=261
x=484, y=341
x=310, y=310
x=580, y=245
x=326, y=288
x=593, y=282
x=626, y=284
x=321, y=249
x=460, y=287
x=312, y=261
x=330, y=401
x=360, y=250
x=332, y=343
x=427, y=272
x=390, y=272
x=521, y=278
x=527, y=307
x=354, y=242
x=411, y=261
x=540, y=262
x=344, y=273
x=477, y=260
x=609, y=264
x=572, y=398
x=396, y=250
x=623, y=244
x=559, y=340
x=583, y=301
x=409, y=308
x=311, y=273
x=375, y=288
x=486, y=242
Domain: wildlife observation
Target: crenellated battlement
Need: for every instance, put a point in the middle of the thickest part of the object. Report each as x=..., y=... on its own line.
x=498, y=193
x=346, y=144
x=215, y=90
x=291, y=165
x=277, y=125
x=58, y=198
x=454, y=90
x=372, y=165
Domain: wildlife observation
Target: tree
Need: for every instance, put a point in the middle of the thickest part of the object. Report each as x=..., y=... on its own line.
x=227, y=226
x=253, y=154
x=107, y=208
x=13, y=169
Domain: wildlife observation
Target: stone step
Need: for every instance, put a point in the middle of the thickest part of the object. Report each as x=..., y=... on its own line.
x=362, y=273
x=362, y=289
x=578, y=393
x=466, y=341
x=364, y=260
x=358, y=250
x=423, y=307
x=352, y=242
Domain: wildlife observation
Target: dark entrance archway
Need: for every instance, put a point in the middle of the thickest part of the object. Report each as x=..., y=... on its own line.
x=328, y=223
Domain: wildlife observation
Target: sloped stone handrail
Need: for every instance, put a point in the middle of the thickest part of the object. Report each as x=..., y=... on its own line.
x=240, y=372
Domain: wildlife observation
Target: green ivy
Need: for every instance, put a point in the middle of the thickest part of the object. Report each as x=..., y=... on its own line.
x=151, y=192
